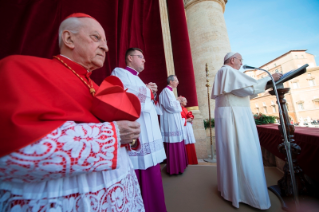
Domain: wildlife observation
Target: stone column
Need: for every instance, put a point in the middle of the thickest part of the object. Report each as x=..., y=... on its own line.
x=209, y=43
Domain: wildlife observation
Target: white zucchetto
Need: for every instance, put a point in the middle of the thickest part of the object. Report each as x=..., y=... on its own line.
x=228, y=55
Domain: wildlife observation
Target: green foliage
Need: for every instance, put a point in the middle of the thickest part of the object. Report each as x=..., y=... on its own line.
x=264, y=119
x=206, y=123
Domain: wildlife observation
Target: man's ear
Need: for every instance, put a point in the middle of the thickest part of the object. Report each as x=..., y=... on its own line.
x=67, y=38
x=129, y=58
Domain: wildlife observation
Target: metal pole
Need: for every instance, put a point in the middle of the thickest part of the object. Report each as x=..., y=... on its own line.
x=286, y=142
x=208, y=97
x=212, y=159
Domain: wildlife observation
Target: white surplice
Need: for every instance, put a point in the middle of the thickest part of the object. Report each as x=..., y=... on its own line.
x=171, y=120
x=240, y=170
x=74, y=168
x=189, y=137
x=152, y=149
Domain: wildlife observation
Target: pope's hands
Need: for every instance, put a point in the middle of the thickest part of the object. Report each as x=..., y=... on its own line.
x=276, y=76
x=129, y=130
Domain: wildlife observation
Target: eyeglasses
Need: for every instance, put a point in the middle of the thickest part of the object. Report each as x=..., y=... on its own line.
x=139, y=56
x=241, y=60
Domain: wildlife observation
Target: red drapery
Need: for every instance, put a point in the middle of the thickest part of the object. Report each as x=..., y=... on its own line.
x=30, y=27
x=306, y=138
x=182, y=52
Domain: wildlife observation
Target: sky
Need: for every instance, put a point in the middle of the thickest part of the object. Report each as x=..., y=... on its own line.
x=262, y=30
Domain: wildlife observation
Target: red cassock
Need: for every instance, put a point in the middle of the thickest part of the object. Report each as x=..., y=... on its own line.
x=190, y=148
x=41, y=98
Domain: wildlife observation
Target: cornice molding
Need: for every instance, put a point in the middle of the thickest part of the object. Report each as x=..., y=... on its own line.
x=190, y=3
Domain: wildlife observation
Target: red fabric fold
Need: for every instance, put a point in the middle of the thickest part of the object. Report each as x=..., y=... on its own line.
x=191, y=154
x=306, y=138
x=186, y=114
x=182, y=51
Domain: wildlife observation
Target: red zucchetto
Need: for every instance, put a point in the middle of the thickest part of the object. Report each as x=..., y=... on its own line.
x=79, y=15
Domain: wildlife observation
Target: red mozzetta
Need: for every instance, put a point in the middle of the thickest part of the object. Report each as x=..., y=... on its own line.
x=43, y=95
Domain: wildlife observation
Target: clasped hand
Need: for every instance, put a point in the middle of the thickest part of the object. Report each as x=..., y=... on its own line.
x=152, y=86
x=129, y=130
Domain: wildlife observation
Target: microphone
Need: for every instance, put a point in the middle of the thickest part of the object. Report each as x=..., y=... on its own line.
x=248, y=67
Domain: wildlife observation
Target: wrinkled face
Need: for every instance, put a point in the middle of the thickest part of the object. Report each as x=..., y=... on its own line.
x=236, y=61
x=184, y=102
x=90, y=45
x=136, y=60
x=174, y=83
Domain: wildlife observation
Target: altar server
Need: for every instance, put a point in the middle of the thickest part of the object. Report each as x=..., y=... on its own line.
x=189, y=138
x=55, y=154
x=147, y=161
x=240, y=170
x=172, y=128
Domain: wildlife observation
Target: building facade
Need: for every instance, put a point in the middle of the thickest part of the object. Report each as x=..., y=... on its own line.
x=303, y=97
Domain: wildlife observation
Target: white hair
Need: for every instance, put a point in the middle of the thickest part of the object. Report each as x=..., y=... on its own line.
x=72, y=25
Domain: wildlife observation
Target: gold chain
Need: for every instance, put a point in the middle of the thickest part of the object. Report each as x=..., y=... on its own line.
x=92, y=90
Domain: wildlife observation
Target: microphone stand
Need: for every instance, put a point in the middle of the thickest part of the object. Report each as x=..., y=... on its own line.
x=286, y=142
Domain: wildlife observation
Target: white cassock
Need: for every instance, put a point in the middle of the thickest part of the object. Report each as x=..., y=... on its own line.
x=171, y=120
x=152, y=150
x=240, y=170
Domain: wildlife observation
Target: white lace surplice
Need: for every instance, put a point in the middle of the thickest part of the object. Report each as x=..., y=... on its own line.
x=152, y=149
x=237, y=143
x=171, y=120
x=77, y=167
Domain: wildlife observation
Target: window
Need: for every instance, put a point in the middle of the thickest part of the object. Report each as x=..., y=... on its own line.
x=275, y=64
x=274, y=109
x=309, y=74
x=264, y=104
x=311, y=82
x=302, y=56
x=265, y=110
x=300, y=106
x=277, y=71
x=296, y=56
x=295, y=85
x=257, y=110
x=272, y=103
x=256, y=105
x=316, y=104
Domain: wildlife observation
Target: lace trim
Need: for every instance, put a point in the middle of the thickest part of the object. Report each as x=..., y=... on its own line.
x=123, y=196
x=142, y=94
x=69, y=150
x=176, y=133
x=148, y=148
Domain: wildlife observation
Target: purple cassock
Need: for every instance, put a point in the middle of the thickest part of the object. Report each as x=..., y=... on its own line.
x=146, y=160
x=177, y=160
x=172, y=132
x=151, y=186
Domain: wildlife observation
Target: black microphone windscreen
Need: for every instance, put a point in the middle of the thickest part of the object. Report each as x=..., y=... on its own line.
x=248, y=67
